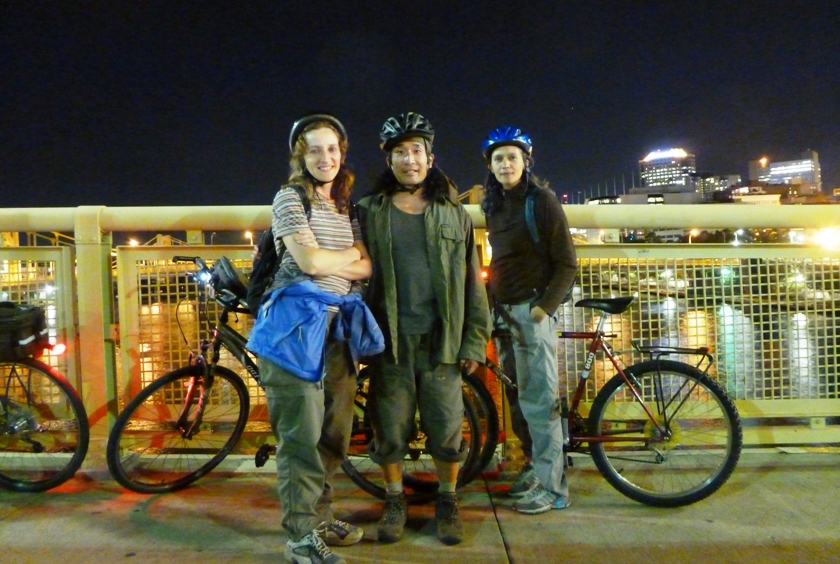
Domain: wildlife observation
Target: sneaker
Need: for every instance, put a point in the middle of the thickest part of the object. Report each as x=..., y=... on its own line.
x=340, y=533
x=450, y=529
x=311, y=550
x=525, y=482
x=394, y=515
x=540, y=500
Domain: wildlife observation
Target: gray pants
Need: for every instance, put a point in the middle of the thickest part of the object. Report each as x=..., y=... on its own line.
x=312, y=422
x=397, y=391
x=535, y=349
x=507, y=361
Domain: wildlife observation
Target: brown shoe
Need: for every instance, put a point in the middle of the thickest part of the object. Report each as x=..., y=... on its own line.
x=394, y=514
x=450, y=529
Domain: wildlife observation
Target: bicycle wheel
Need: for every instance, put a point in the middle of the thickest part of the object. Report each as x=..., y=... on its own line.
x=477, y=394
x=44, y=430
x=152, y=447
x=696, y=453
x=419, y=472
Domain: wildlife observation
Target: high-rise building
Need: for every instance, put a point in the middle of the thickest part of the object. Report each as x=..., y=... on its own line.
x=668, y=171
x=707, y=184
x=805, y=170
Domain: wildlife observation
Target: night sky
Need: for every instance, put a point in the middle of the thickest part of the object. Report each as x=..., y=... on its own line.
x=186, y=103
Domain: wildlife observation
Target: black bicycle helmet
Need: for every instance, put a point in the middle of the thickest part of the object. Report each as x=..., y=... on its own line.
x=506, y=135
x=300, y=125
x=405, y=126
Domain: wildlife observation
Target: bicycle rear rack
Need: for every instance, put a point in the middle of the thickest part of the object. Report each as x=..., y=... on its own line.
x=656, y=352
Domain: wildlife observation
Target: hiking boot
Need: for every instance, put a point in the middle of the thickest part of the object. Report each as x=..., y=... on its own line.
x=540, y=500
x=394, y=514
x=525, y=482
x=340, y=533
x=311, y=550
x=450, y=529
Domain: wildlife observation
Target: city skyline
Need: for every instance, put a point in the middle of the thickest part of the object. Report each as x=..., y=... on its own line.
x=160, y=103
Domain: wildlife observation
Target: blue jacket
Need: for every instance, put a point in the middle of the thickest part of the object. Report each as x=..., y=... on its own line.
x=292, y=323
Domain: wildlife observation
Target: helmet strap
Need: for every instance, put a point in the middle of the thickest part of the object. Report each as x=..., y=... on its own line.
x=410, y=189
x=317, y=183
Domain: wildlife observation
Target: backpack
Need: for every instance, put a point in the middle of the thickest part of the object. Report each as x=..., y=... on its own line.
x=531, y=221
x=267, y=261
x=23, y=331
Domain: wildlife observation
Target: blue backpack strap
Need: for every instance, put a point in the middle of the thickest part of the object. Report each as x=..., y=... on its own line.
x=529, y=216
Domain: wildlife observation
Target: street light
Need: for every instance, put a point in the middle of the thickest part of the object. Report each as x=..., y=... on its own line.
x=692, y=233
x=735, y=243
x=250, y=237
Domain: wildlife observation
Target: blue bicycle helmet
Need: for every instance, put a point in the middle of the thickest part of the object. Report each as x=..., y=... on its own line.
x=506, y=135
x=300, y=125
x=405, y=126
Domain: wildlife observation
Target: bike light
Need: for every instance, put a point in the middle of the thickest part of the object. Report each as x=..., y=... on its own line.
x=58, y=349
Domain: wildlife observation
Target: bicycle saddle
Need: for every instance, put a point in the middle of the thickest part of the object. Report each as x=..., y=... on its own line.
x=609, y=305
x=229, y=278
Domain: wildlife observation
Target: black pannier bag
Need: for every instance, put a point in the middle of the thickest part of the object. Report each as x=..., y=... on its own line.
x=23, y=331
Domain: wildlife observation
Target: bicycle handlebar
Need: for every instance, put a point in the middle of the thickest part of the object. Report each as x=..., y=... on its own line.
x=198, y=261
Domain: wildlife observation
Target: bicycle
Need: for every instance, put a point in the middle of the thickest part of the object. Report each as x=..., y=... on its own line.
x=183, y=424
x=44, y=430
x=660, y=431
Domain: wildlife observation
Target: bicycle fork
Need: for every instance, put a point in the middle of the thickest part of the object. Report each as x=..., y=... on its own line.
x=201, y=387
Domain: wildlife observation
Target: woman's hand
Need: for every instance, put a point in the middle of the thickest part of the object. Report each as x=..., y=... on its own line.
x=306, y=238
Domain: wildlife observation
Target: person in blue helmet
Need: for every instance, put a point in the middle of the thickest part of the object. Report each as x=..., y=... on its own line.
x=530, y=275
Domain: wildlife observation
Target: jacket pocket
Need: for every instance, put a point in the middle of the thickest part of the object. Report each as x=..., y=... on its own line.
x=452, y=233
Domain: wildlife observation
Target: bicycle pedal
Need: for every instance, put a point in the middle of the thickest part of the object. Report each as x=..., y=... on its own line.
x=262, y=455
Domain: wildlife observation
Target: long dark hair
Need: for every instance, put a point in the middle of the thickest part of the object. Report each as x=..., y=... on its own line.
x=437, y=184
x=494, y=193
x=298, y=174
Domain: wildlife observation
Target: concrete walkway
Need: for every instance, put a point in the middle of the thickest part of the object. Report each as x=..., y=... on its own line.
x=777, y=507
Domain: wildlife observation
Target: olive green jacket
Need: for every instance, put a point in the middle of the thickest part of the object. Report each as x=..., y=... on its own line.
x=456, y=277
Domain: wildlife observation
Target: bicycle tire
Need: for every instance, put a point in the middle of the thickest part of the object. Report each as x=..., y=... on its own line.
x=419, y=473
x=44, y=430
x=690, y=465
x=147, y=451
x=479, y=396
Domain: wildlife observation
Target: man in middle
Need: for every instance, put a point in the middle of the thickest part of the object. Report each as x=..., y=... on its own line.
x=428, y=297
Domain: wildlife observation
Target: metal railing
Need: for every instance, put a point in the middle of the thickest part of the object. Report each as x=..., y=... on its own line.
x=768, y=311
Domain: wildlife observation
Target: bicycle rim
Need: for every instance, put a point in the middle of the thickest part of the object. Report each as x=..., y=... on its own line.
x=697, y=457
x=148, y=451
x=419, y=472
x=44, y=431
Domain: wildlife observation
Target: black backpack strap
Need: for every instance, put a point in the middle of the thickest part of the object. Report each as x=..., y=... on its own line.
x=529, y=216
x=307, y=205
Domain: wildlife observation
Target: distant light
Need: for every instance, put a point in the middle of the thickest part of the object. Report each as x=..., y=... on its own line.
x=763, y=161
x=827, y=238
x=669, y=154
x=133, y=242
